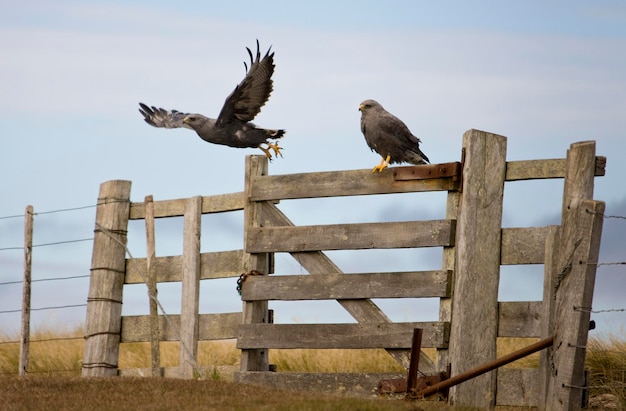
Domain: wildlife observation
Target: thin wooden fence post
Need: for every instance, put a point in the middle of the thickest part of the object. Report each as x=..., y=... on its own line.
x=108, y=268
x=25, y=332
x=577, y=258
x=548, y=307
x=256, y=311
x=190, y=288
x=478, y=238
x=155, y=354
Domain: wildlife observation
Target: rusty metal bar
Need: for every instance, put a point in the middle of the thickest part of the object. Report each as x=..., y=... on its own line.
x=416, y=348
x=427, y=171
x=489, y=366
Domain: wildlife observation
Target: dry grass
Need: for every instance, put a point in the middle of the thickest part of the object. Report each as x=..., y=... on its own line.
x=606, y=363
x=74, y=393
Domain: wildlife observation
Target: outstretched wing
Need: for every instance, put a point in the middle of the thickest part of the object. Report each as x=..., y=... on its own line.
x=245, y=102
x=159, y=117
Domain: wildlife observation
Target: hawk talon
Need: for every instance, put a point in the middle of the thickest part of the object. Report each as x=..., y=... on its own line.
x=273, y=147
x=383, y=165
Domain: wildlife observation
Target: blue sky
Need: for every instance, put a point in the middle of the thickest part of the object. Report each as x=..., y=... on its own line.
x=71, y=74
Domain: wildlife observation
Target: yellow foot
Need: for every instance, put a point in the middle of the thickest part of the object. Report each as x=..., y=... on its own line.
x=273, y=147
x=383, y=165
x=276, y=149
x=267, y=152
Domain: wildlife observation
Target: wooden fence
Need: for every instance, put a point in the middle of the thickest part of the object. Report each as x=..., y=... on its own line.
x=474, y=247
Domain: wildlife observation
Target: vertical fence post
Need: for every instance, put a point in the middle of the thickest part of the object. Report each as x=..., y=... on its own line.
x=108, y=268
x=190, y=288
x=548, y=307
x=478, y=238
x=255, y=311
x=155, y=354
x=577, y=258
x=448, y=263
x=25, y=332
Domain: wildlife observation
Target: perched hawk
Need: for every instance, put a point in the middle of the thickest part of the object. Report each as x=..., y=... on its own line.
x=389, y=136
x=233, y=126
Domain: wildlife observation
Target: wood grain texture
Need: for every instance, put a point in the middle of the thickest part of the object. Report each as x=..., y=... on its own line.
x=104, y=302
x=26, y=293
x=347, y=286
x=581, y=225
x=136, y=328
x=517, y=387
x=254, y=312
x=523, y=245
x=408, y=234
x=176, y=208
x=190, y=287
x=317, y=263
x=155, y=353
x=475, y=313
x=520, y=319
x=364, y=335
x=341, y=183
x=540, y=169
x=218, y=264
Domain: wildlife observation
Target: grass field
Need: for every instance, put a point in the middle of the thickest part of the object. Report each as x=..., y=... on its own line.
x=60, y=354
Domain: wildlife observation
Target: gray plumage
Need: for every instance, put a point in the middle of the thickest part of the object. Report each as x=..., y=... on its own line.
x=233, y=126
x=389, y=136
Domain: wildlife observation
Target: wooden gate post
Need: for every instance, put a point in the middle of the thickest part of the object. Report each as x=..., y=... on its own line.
x=577, y=259
x=478, y=239
x=190, y=288
x=108, y=268
x=256, y=311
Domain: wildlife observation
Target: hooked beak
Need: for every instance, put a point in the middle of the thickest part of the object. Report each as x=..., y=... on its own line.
x=360, y=107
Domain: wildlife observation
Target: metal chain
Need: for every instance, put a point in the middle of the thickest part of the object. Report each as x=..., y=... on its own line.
x=242, y=279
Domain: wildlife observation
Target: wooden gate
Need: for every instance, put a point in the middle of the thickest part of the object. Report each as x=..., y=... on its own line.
x=474, y=247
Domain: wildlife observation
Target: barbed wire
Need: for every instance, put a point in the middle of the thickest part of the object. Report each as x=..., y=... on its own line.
x=153, y=297
x=45, y=308
x=49, y=244
x=61, y=210
x=44, y=340
x=46, y=279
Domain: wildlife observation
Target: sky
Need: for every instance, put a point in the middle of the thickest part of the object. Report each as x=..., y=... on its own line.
x=545, y=75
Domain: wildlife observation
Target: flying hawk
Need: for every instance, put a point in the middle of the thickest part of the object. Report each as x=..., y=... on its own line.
x=389, y=136
x=233, y=126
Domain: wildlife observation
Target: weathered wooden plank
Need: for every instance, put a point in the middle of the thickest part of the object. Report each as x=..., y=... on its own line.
x=520, y=319
x=475, y=326
x=448, y=262
x=104, y=302
x=256, y=311
x=151, y=282
x=26, y=292
x=223, y=326
x=550, y=276
x=363, y=335
x=218, y=203
x=220, y=264
x=581, y=228
x=343, y=384
x=362, y=310
x=190, y=287
x=550, y=168
x=523, y=245
x=580, y=247
x=408, y=234
x=341, y=183
x=517, y=387
x=344, y=286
